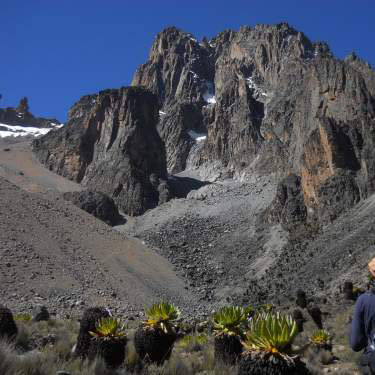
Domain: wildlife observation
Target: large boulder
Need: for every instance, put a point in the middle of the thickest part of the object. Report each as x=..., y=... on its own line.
x=110, y=144
x=288, y=207
x=97, y=204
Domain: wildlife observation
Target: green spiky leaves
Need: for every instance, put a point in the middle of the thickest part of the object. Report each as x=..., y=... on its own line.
x=321, y=337
x=270, y=332
x=230, y=320
x=109, y=329
x=162, y=316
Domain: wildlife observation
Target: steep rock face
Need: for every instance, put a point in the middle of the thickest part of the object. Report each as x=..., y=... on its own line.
x=110, y=144
x=288, y=207
x=268, y=100
x=180, y=72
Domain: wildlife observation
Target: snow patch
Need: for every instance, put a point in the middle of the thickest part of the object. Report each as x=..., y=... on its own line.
x=20, y=131
x=191, y=37
x=161, y=113
x=209, y=98
x=209, y=94
x=253, y=86
x=198, y=137
x=195, y=76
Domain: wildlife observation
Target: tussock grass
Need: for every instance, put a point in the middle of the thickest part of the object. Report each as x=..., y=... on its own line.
x=43, y=348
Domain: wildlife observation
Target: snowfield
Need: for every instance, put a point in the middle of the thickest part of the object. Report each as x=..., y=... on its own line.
x=20, y=131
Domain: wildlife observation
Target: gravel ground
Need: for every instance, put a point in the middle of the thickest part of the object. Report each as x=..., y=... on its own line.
x=213, y=236
x=208, y=249
x=218, y=240
x=55, y=254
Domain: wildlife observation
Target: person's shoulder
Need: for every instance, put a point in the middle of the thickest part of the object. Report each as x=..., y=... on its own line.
x=366, y=298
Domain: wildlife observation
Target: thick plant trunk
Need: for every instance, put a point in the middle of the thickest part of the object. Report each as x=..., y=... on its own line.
x=301, y=299
x=88, y=323
x=112, y=351
x=227, y=349
x=348, y=290
x=8, y=328
x=153, y=345
x=257, y=363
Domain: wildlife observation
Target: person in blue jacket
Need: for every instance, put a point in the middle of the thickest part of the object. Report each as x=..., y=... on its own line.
x=362, y=334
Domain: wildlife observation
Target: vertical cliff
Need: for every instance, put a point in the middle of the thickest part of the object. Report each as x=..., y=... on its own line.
x=110, y=144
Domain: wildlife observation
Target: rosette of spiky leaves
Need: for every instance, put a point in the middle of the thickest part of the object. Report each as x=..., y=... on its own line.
x=321, y=337
x=162, y=316
x=230, y=320
x=109, y=328
x=270, y=332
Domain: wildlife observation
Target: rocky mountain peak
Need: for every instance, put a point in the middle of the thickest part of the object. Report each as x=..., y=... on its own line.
x=261, y=100
x=176, y=60
x=259, y=97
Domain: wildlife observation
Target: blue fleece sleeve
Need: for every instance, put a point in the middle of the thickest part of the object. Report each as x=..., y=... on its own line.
x=358, y=340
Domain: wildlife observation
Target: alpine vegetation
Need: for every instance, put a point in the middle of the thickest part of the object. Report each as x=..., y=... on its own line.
x=109, y=341
x=154, y=340
x=229, y=324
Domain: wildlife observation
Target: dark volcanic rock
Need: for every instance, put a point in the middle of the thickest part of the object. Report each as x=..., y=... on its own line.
x=111, y=144
x=288, y=206
x=95, y=203
x=261, y=100
x=270, y=101
x=40, y=313
x=90, y=318
x=180, y=71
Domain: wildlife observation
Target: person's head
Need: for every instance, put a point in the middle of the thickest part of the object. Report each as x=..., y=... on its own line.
x=371, y=267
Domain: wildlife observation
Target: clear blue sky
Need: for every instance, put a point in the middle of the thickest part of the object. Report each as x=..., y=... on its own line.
x=55, y=51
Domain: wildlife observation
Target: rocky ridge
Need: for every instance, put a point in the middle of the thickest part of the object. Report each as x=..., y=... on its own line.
x=263, y=105
x=110, y=144
x=11, y=116
x=262, y=100
x=267, y=100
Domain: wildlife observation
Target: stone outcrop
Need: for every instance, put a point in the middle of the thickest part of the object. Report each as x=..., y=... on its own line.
x=263, y=100
x=110, y=144
x=267, y=100
x=11, y=116
x=97, y=204
x=288, y=207
x=180, y=72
